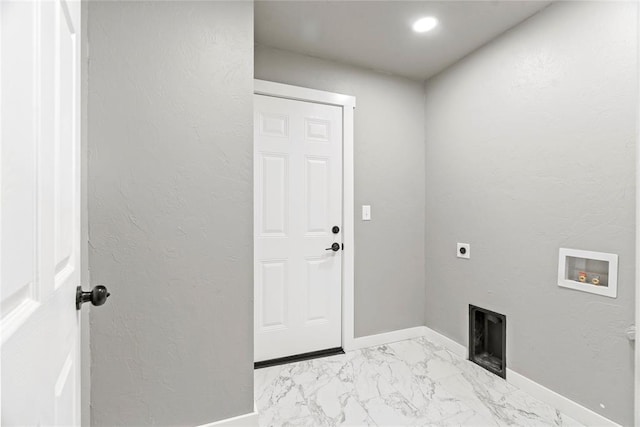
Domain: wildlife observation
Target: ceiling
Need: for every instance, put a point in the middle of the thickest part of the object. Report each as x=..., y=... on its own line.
x=378, y=34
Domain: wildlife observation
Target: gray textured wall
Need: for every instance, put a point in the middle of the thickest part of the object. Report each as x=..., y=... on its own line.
x=530, y=147
x=170, y=211
x=389, y=176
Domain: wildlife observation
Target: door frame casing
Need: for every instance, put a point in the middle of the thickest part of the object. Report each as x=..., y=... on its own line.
x=348, y=104
x=637, y=278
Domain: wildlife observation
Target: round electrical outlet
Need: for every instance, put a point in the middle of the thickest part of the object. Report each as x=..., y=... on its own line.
x=464, y=250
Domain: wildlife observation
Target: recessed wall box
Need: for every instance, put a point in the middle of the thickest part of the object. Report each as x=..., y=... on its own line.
x=587, y=271
x=488, y=340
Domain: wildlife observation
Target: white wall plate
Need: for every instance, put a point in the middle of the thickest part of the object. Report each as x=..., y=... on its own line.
x=587, y=271
x=463, y=250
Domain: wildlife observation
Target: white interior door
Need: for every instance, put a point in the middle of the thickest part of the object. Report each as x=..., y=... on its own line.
x=39, y=212
x=297, y=202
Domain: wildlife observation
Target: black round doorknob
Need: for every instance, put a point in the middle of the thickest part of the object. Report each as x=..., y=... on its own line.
x=335, y=247
x=335, y=229
x=97, y=296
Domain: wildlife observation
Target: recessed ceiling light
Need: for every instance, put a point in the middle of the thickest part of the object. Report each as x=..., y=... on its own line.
x=425, y=24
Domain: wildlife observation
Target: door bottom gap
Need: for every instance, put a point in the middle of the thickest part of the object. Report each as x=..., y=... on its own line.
x=298, y=357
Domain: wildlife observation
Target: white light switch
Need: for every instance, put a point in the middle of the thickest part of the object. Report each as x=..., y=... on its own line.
x=366, y=212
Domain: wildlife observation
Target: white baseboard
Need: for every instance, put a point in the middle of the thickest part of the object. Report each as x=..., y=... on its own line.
x=385, y=338
x=565, y=405
x=246, y=420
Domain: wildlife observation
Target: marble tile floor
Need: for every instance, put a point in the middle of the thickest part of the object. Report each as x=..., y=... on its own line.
x=407, y=383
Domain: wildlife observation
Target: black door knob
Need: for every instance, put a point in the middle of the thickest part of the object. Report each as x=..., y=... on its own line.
x=97, y=296
x=335, y=229
x=335, y=247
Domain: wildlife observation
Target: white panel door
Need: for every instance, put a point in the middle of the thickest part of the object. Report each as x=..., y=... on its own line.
x=297, y=202
x=39, y=212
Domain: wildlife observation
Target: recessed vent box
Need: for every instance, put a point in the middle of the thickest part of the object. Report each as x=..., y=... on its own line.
x=488, y=340
x=587, y=271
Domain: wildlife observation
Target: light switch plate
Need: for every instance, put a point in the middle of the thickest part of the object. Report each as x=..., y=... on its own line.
x=464, y=250
x=366, y=212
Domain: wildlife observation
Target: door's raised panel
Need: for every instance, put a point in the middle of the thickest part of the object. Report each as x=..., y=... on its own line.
x=65, y=393
x=65, y=144
x=318, y=286
x=18, y=213
x=274, y=210
x=273, y=283
x=317, y=130
x=274, y=124
x=317, y=195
